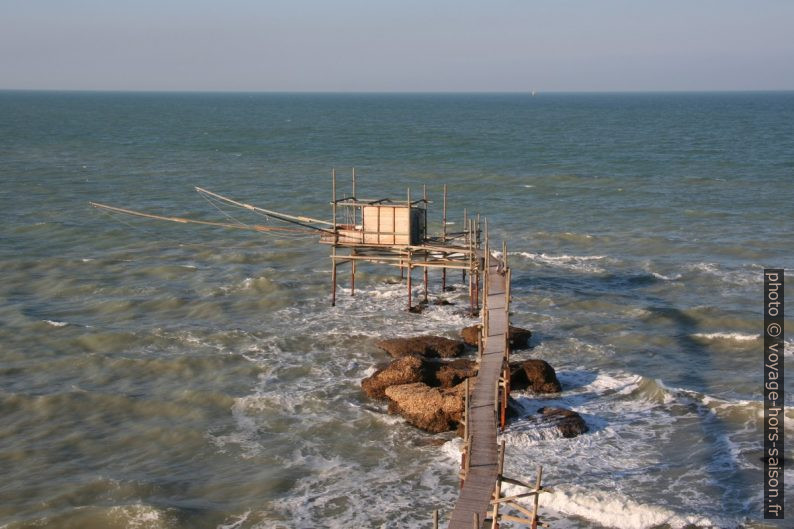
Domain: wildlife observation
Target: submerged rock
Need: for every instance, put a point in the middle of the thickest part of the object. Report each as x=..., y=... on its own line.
x=568, y=422
x=434, y=410
x=405, y=370
x=535, y=375
x=429, y=346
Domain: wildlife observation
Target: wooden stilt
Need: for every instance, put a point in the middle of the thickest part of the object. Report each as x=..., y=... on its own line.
x=465, y=235
x=353, y=274
x=425, y=280
x=444, y=238
x=410, y=270
x=535, y=501
x=333, y=281
x=336, y=238
x=435, y=519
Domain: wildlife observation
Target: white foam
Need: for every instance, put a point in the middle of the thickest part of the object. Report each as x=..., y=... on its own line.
x=236, y=524
x=666, y=278
x=57, y=323
x=741, y=276
x=139, y=516
x=579, y=263
x=735, y=336
x=612, y=509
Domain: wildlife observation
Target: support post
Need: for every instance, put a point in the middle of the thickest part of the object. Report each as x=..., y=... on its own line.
x=444, y=238
x=353, y=273
x=410, y=241
x=336, y=238
x=410, y=269
x=333, y=204
x=497, y=493
x=333, y=277
x=424, y=197
x=465, y=235
x=535, y=500
x=435, y=519
x=425, y=277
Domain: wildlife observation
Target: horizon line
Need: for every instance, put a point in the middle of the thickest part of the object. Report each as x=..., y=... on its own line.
x=395, y=92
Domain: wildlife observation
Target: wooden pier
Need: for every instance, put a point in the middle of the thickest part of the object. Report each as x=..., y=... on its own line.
x=395, y=232
x=481, y=458
x=480, y=500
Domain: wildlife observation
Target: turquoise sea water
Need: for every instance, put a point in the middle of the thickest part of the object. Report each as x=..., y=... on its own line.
x=161, y=375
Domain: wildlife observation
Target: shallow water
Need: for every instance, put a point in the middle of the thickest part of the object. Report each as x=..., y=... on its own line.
x=157, y=375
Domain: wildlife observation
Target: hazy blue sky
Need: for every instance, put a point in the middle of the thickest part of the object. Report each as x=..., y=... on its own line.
x=406, y=45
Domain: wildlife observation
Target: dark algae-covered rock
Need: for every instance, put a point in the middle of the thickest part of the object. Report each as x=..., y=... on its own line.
x=519, y=338
x=568, y=422
x=534, y=375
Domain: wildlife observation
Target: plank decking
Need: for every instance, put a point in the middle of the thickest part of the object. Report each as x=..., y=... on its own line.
x=478, y=488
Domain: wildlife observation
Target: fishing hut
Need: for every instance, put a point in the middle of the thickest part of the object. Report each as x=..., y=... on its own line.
x=383, y=231
x=395, y=232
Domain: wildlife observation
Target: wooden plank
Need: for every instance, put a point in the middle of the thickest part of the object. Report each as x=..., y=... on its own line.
x=477, y=490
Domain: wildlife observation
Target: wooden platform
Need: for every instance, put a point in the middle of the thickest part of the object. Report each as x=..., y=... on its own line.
x=478, y=488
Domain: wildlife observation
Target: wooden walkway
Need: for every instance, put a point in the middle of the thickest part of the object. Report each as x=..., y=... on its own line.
x=480, y=481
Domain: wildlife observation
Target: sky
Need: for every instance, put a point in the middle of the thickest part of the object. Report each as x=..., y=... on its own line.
x=397, y=46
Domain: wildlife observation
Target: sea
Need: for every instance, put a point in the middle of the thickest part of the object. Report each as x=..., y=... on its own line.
x=167, y=375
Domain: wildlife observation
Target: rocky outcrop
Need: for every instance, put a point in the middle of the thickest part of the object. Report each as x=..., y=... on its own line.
x=434, y=410
x=471, y=335
x=429, y=346
x=405, y=370
x=568, y=422
x=519, y=337
x=450, y=374
x=534, y=375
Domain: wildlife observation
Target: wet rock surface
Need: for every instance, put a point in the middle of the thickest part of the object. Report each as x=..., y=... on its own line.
x=428, y=346
x=405, y=370
x=434, y=410
x=568, y=422
x=534, y=375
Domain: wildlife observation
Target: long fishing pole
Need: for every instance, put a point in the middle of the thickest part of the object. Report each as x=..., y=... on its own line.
x=299, y=220
x=182, y=220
